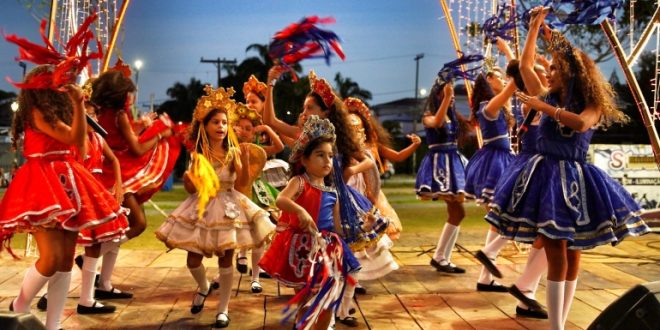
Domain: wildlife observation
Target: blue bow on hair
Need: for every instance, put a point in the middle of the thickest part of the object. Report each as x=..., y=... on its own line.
x=497, y=25
x=581, y=12
x=452, y=70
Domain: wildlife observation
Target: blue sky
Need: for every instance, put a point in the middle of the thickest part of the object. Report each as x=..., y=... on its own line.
x=380, y=39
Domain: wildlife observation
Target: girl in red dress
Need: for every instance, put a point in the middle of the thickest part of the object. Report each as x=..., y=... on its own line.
x=52, y=195
x=145, y=162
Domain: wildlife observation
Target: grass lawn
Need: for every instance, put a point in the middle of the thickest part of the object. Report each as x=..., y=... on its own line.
x=420, y=217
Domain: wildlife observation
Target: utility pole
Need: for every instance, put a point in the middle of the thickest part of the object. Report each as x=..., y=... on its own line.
x=218, y=64
x=415, y=110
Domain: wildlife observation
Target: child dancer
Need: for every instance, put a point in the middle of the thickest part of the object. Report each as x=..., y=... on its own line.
x=69, y=197
x=571, y=204
x=111, y=231
x=250, y=130
x=144, y=164
x=488, y=163
x=311, y=208
x=441, y=173
x=229, y=220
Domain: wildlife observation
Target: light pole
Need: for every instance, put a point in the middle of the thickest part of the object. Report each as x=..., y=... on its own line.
x=138, y=66
x=24, y=66
x=415, y=110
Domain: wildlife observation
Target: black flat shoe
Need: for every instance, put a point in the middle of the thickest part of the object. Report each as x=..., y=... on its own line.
x=79, y=261
x=215, y=285
x=492, y=287
x=42, y=304
x=241, y=268
x=530, y=303
x=264, y=275
x=448, y=268
x=360, y=290
x=531, y=313
x=198, y=308
x=112, y=294
x=348, y=321
x=222, y=320
x=95, y=309
x=486, y=262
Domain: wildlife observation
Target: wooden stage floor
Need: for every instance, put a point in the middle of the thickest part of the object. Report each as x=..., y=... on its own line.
x=414, y=297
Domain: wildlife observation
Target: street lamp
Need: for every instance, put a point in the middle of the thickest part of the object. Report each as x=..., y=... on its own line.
x=415, y=110
x=14, y=106
x=24, y=66
x=422, y=92
x=138, y=66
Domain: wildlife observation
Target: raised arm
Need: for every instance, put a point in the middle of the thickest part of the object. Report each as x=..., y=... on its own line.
x=438, y=119
x=399, y=156
x=504, y=48
x=532, y=82
x=493, y=107
x=276, y=145
x=74, y=134
x=269, y=117
x=581, y=122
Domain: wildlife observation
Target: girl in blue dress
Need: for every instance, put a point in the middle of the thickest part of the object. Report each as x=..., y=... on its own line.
x=570, y=204
x=441, y=173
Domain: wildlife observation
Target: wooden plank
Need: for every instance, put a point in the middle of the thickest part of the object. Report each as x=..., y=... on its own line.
x=598, y=299
x=432, y=312
x=479, y=312
x=581, y=313
x=405, y=280
x=623, y=279
x=507, y=304
x=149, y=306
x=649, y=272
x=137, y=258
x=385, y=312
x=274, y=307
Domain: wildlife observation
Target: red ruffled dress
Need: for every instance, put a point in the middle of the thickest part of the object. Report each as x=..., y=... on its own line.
x=53, y=190
x=141, y=175
x=113, y=230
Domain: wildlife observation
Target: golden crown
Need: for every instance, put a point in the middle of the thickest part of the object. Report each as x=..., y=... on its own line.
x=356, y=105
x=558, y=42
x=321, y=87
x=214, y=99
x=314, y=128
x=253, y=85
x=242, y=111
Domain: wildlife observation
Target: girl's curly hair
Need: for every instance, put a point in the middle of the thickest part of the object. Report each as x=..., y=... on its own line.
x=52, y=104
x=110, y=89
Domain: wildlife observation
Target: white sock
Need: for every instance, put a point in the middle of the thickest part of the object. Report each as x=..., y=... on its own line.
x=199, y=274
x=346, y=301
x=449, y=247
x=226, y=278
x=109, y=260
x=58, y=288
x=443, y=242
x=87, y=285
x=108, y=246
x=528, y=281
x=32, y=283
x=256, y=256
x=555, y=304
x=569, y=293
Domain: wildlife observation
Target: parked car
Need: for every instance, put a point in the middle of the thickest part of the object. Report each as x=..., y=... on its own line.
x=389, y=170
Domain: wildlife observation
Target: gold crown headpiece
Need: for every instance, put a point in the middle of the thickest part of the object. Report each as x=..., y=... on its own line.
x=87, y=89
x=253, y=85
x=490, y=62
x=214, y=99
x=321, y=87
x=242, y=111
x=356, y=105
x=559, y=43
x=314, y=128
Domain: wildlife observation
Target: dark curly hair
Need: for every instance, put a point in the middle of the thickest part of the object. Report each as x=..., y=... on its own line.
x=52, y=104
x=110, y=89
x=346, y=142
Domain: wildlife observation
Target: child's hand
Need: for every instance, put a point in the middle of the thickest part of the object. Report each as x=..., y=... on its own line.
x=414, y=138
x=119, y=193
x=306, y=221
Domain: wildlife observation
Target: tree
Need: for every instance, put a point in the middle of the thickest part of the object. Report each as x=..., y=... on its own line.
x=183, y=100
x=346, y=87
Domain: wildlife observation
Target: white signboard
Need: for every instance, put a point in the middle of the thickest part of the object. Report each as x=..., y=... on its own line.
x=634, y=166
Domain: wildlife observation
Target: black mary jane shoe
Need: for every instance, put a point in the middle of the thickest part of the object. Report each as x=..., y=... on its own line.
x=42, y=304
x=532, y=313
x=530, y=303
x=349, y=321
x=360, y=290
x=241, y=268
x=198, y=308
x=492, y=287
x=448, y=268
x=222, y=320
x=486, y=262
x=112, y=294
x=95, y=309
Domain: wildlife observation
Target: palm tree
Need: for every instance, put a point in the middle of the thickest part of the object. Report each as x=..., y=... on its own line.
x=183, y=100
x=346, y=87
